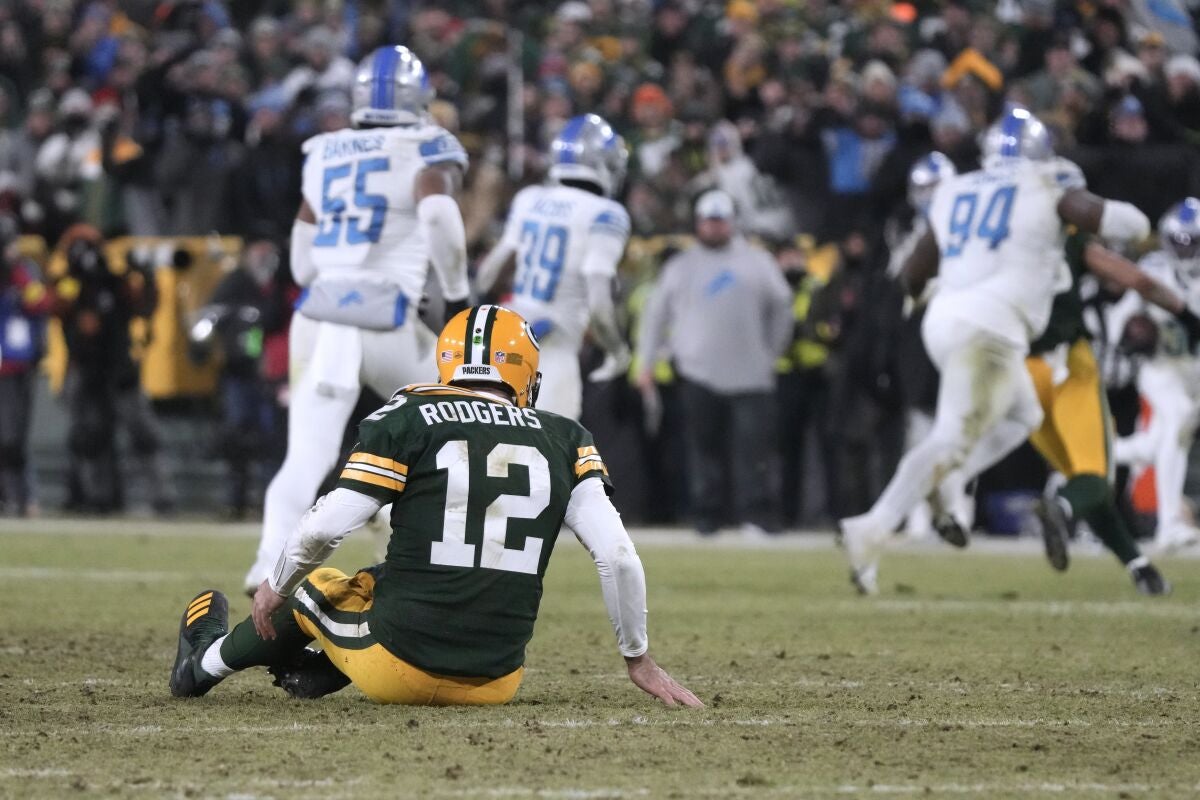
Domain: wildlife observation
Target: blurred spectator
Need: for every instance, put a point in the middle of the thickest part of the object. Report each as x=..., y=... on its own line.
x=268, y=65
x=96, y=306
x=265, y=189
x=857, y=315
x=1151, y=176
x=324, y=68
x=761, y=209
x=1044, y=90
x=803, y=401
x=67, y=163
x=721, y=310
x=855, y=149
x=19, y=150
x=655, y=136
x=745, y=68
x=247, y=307
x=1174, y=19
x=1182, y=74
x=24, y=305
x=199, y=152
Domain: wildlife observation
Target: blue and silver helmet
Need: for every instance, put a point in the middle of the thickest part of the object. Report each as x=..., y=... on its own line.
x=588, y=149
x=925, y=176
x=1179, y=233
x=391, y=87
x=1017, y=134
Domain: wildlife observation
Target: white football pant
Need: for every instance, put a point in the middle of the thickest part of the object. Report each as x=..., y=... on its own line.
x=562, y=385
x=986, y=407
x=317, y=418
x=1174, y=398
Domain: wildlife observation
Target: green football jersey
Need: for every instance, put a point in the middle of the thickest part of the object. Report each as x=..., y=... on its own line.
x=1066, y=314
x=479, y=489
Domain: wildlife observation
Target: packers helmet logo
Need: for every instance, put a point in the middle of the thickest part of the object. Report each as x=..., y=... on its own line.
x=529, y=332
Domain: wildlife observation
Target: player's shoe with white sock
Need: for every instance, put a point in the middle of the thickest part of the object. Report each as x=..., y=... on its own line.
x=205, y=620
x=862, y=542
x=1147, y=578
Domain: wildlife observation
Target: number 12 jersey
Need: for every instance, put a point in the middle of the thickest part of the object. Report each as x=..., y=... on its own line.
x=479, y=489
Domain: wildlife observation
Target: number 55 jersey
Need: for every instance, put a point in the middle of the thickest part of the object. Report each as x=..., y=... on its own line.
x=1001, y=244
x=479, y=489
x=359, y=183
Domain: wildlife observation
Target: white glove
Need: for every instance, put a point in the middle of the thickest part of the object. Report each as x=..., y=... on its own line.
x=614, y=366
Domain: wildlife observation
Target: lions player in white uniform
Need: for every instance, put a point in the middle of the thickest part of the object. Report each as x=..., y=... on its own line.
x=379, y=206
x=996, y=244
x=1170, y=379
x=568, y=238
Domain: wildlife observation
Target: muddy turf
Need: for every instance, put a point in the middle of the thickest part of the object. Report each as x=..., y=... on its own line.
x=974, y=674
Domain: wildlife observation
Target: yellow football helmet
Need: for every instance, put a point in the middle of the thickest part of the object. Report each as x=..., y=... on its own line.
x=490, y=344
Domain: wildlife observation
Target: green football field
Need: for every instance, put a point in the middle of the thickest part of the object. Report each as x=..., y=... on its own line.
x=979, y=674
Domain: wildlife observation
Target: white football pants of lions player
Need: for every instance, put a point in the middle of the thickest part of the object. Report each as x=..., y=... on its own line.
x=323, y=393
x=986, y=407
x=1172, y=388
x=562, y=384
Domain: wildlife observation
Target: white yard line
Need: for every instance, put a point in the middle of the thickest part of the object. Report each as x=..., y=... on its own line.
x=998, y=788
x=806, y=540
x=472, y=723
x=108, y=575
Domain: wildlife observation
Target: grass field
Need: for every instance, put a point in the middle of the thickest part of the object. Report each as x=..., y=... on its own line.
x=980, y=674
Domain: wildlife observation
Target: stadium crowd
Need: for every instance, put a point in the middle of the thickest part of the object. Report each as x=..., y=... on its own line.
x=183, y=118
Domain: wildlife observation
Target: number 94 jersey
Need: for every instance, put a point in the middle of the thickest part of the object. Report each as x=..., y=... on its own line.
x=552, y=229
x=359, y=183
x=479, y=489
x=1001, y=244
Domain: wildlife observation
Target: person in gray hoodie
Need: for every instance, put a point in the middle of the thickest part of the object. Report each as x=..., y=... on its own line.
x=721, y=311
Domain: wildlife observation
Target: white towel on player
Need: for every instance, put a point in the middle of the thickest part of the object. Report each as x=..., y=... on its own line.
x=337, y=359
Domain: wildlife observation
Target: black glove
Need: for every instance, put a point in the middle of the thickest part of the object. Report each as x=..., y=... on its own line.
x=453, y=307
x=1191, y=324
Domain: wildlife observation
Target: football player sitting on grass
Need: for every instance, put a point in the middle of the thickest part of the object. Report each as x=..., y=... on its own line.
x=480, y=483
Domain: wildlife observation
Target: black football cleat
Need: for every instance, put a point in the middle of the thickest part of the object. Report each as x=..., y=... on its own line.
x=309, y=676
x=205, y=620
x=949, y=531
x=1150, y=581
x=1056, y=530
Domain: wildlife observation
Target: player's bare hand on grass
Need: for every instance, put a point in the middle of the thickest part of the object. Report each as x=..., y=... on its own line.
x=654, y=680
x=266, y=602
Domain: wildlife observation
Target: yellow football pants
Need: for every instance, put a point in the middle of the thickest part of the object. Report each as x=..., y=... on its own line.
x=381, y=676
x=1076, y=431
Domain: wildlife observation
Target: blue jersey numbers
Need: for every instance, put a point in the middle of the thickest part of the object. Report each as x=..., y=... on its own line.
x=992, y=224
x=543, y=251
x=363, y=222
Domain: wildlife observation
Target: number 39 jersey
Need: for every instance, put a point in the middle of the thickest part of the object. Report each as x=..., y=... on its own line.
x=479, y=489
x=552, y=228
x=359, y=183
x=1001, y=244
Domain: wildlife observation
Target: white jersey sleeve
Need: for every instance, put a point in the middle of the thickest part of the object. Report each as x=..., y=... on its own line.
x=607, y=236
x=439, y=146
